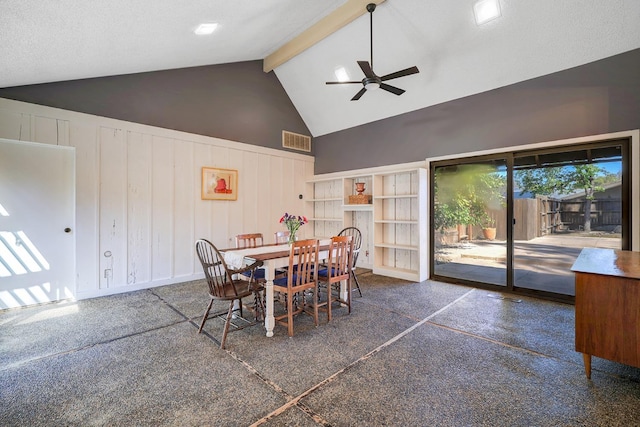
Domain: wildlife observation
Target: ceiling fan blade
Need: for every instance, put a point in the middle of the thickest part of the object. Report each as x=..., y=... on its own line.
x=359, y=94
x=343, y=83
x=402, y=73
x=391, y=89
x=366, y=69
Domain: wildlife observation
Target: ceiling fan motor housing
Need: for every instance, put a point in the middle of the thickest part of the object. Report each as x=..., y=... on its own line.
x=371, y=82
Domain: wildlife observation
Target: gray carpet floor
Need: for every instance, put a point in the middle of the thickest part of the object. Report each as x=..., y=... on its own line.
x=410, y=354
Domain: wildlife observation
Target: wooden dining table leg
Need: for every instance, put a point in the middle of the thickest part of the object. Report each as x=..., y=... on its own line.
x=344, y=293
x=269, y=321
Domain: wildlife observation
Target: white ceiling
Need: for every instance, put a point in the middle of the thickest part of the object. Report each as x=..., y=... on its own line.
x=47, y=41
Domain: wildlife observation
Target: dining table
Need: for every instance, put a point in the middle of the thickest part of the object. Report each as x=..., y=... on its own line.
x=273, y=256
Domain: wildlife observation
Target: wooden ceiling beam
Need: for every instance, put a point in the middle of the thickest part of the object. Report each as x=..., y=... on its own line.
x=328, y=25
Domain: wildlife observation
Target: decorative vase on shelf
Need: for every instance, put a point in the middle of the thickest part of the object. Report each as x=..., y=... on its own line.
x=359, y=198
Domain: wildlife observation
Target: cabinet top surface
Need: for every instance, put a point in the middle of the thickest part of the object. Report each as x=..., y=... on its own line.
x=609, y=262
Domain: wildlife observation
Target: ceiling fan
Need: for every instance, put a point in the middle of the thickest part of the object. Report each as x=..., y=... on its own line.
x=371, y=80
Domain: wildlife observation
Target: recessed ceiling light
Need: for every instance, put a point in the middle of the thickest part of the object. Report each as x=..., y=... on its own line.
x=341, y=74
x=204, y=29
x=486, y=10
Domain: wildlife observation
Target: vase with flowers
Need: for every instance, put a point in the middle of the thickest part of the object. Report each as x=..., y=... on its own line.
x=293, y=223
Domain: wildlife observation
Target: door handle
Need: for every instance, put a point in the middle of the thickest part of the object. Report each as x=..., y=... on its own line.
x=67, y=230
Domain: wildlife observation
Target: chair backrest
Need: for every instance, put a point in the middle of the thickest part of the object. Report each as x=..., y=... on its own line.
x=281, y=237
x=340, y=258
x=251, y=240
x=215, y=268
x=303, y=262
x=357, y=242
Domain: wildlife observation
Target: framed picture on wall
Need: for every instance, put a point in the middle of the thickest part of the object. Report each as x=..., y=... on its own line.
x=219, y=184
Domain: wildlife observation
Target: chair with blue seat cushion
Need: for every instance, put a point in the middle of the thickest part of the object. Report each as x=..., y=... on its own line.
x=251, y=240
x=357, y=244
x=337, y=270
x=223, y=287
x=304, y=255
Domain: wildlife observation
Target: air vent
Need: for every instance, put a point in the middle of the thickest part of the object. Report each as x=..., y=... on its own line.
x=295, y=141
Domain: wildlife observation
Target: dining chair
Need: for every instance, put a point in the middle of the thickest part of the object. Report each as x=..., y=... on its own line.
x=251, y=240
x=304, y=255
x=281, y=237
x=337, y=270
x=223, y=287
x=357, y=244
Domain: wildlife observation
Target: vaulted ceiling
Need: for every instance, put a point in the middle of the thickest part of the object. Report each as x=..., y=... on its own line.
x=73, y=39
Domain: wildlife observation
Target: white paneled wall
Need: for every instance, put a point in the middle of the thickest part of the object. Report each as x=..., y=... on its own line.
x=138, y=205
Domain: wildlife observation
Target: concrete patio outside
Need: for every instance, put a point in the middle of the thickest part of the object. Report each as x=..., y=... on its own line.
x=543, y=263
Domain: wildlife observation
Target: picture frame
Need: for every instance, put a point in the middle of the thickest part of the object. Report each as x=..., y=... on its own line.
x=219, y=184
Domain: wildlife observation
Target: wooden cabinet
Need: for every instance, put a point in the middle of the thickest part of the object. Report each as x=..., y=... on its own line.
x=608, y=306
x=393, y=226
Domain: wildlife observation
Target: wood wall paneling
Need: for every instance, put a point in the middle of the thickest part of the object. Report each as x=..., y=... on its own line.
x=263, y=198
x=113, y=221
x=236, y=208
x=139, y=150
x=138, y=194
x=85, y=140
x=276, y=210
x=10, y=125
x=364, y=222
x=248, y=186
x=298, y=171
x=289, y=187
x=45, y=130
x=162, y=208
x=203, y=208
x=184, y=209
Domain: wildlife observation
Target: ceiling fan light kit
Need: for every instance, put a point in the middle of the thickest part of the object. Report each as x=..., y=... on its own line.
x=372, y=81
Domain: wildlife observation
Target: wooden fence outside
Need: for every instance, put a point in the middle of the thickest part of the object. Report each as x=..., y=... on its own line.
x=555, y=215
x=543, y=216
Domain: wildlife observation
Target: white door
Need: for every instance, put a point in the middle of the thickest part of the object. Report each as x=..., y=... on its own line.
x=37, y=242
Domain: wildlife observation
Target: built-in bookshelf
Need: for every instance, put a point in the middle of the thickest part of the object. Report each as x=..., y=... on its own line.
x=393, y=225
x=400, y=235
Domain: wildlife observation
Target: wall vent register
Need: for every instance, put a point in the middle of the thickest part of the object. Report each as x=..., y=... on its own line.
x=296, y=141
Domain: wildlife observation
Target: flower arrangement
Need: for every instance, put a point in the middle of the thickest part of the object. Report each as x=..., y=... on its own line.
x=293, y=223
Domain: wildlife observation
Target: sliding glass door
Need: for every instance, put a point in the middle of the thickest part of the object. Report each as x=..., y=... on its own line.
x=518, y=220
x=564, y=200
x=470, y=222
